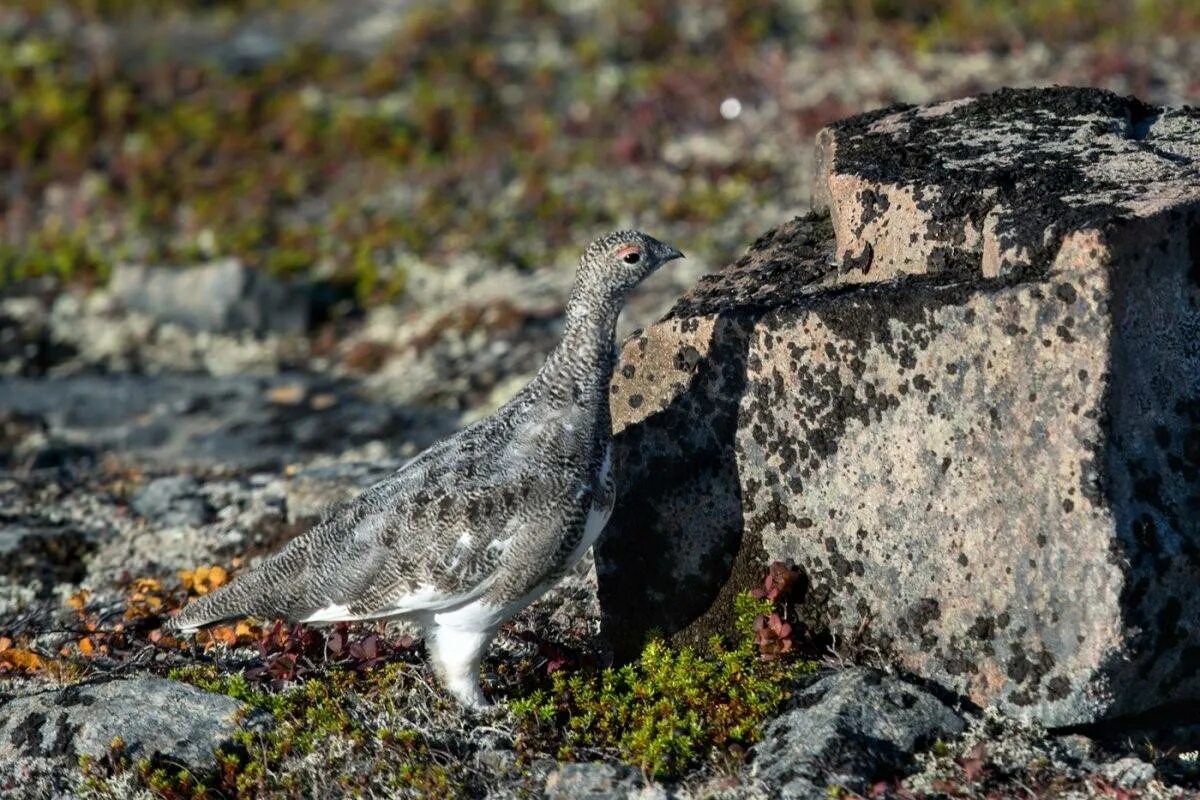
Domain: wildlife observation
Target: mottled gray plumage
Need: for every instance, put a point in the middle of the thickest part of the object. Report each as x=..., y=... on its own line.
x=479, y=525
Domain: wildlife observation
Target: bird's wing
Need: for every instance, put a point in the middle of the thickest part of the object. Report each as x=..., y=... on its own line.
x=430, y=537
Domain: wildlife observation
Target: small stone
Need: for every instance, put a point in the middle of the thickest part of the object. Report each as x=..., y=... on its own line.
x=1128, y=773
x=323, y=401
x=173, y=501
x=287, y=394
x=849, y=729
x=600, y=781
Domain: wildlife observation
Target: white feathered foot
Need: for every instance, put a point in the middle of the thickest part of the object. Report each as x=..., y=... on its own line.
x=456, y=655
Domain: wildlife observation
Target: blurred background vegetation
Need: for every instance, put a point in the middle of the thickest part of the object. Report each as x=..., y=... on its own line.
x=993, y=23
x=343, y=138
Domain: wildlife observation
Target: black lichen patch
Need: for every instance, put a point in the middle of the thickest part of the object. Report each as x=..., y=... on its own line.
x=859, y=262
x=1031, y=178
x=26, y=736
x=1058, y=687
x=1066, y=292
x=874, y=205
x=72, y=696
x=924, y=612
x=1027, y=671
x=984, y=628
x=773, y=273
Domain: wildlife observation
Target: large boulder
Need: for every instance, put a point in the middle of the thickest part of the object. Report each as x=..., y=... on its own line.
x=965, y=400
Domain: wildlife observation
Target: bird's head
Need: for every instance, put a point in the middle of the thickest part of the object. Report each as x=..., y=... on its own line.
x=615, y=263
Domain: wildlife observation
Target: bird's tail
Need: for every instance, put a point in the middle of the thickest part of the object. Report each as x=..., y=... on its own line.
x=261, y=593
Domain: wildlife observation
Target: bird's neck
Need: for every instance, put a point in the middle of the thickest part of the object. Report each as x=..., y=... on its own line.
x=579, y=370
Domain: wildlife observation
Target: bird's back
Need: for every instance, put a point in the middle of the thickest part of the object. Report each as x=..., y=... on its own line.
x=441, y=531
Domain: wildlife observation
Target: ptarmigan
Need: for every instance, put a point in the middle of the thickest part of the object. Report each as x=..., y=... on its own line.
x=482, y=523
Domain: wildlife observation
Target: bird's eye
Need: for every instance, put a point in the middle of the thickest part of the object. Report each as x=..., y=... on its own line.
x=632, y=257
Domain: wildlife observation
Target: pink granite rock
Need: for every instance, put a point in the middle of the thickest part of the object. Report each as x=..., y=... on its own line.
x=966, y=403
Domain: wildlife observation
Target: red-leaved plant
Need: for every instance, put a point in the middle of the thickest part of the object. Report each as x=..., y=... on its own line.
x=773, y=633
x=291, y=653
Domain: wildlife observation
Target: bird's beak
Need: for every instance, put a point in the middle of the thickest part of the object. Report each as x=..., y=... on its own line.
x=673, y=254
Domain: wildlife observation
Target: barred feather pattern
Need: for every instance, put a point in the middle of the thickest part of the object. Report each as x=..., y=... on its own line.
x=480, y=524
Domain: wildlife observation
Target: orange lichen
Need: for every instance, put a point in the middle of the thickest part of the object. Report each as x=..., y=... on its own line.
x=203, y=579
x=78, y=601
x=241, y=634
x=19, y=660
x=145, y=598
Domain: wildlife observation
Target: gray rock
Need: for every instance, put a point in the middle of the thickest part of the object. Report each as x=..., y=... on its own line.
x=848, y=729
x=600, y=781
x=173, y=500
x=496, y=760
x=152, y=716
x=986, y=464
x=221, y=296
x=1128, y=773
x=244, y=420
x=1001, y=756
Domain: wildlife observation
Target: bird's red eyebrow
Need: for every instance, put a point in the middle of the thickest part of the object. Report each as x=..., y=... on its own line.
x=627, y=249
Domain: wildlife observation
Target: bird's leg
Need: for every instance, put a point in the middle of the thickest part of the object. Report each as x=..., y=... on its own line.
x=456, y=654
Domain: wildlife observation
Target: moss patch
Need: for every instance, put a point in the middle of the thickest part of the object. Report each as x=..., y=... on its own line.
x=333, y=719
x=671, y=710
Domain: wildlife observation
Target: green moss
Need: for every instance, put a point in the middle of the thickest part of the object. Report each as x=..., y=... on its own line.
x=69, y=257
x=669, y=710
x=306, y=719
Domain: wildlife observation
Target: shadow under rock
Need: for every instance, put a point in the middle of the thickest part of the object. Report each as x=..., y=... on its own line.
x=1147, y=470
x=667, y=561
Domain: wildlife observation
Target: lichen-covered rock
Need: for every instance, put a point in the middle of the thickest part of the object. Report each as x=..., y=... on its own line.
x=847, y=730
x=987, y=465
x=221, y=296
x=152, y=717
x=988, y=186
x=173, y=500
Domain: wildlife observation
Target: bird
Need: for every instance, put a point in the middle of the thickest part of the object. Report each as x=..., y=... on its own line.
x=479, y=525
